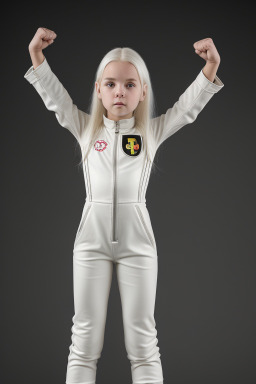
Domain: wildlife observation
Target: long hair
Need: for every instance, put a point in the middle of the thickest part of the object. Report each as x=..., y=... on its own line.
x=144, y=112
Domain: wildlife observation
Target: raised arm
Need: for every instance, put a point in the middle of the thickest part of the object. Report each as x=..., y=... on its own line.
x=193, y=100
x=49, y=87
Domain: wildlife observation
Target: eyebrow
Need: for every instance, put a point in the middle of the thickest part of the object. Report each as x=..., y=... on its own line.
x=112, y=78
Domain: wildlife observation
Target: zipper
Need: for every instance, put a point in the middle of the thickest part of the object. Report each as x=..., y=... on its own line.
x=144, y=224
x=114, y=240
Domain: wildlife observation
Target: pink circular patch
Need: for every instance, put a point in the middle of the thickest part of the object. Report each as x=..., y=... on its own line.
x=100, y=145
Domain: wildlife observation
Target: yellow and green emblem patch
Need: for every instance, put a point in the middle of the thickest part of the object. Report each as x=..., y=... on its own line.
x=131, y=144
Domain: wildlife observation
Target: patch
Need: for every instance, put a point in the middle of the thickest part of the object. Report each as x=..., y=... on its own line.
x=100, y=145
x=131, y=144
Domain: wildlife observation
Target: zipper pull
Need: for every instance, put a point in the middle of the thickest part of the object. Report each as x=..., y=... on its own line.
x=117, y=127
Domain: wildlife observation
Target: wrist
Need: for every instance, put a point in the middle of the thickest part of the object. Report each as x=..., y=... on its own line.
x=34, y=51
x=213, y=63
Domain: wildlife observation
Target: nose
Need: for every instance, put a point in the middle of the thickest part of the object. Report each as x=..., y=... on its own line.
x=119, y=91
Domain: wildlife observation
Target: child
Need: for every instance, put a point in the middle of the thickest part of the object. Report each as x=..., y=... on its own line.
x=118, y=141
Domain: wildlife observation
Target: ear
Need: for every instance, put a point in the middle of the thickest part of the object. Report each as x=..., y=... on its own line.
x=97, y=87
x=144, y=92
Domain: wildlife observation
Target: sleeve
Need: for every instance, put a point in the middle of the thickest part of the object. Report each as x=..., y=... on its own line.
x=57, y=99
x=186, y=109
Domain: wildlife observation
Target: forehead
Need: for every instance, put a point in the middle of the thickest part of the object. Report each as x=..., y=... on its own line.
x=120, y=70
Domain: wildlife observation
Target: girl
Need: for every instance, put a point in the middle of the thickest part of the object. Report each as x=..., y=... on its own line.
x=118, y=138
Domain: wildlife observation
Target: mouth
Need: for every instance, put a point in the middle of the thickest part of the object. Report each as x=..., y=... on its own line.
x=118, y=104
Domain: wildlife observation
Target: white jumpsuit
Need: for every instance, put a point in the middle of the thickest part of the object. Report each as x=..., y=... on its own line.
x=115, y=228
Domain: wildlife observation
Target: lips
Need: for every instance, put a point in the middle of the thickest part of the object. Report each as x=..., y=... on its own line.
x=119, y=103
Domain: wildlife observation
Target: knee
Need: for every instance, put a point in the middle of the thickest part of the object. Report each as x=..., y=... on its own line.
x=141, y=340
x=144, y=355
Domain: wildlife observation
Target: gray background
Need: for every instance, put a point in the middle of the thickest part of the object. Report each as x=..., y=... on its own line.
x=201, y=200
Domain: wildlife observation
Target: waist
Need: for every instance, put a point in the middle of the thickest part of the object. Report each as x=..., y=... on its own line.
x=92, y=201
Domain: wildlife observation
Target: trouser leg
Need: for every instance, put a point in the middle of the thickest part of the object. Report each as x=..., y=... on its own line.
x=137, y=280
x=92, y=281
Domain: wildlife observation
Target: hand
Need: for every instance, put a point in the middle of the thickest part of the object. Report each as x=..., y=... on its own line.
x=42, y=39
x=206, y=49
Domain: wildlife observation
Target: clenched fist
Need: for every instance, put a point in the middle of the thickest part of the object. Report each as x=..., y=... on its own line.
x=42, y=39
x=206, y=49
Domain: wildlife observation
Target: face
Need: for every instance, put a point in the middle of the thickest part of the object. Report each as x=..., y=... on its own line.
x=120, y=83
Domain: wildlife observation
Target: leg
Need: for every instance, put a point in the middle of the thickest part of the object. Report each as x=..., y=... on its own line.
x=137, y=279
x=92, y=282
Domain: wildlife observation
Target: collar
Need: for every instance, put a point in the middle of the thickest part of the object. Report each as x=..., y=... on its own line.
x=124, y=124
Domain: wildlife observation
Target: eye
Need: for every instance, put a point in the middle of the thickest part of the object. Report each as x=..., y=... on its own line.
x=113, y=83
